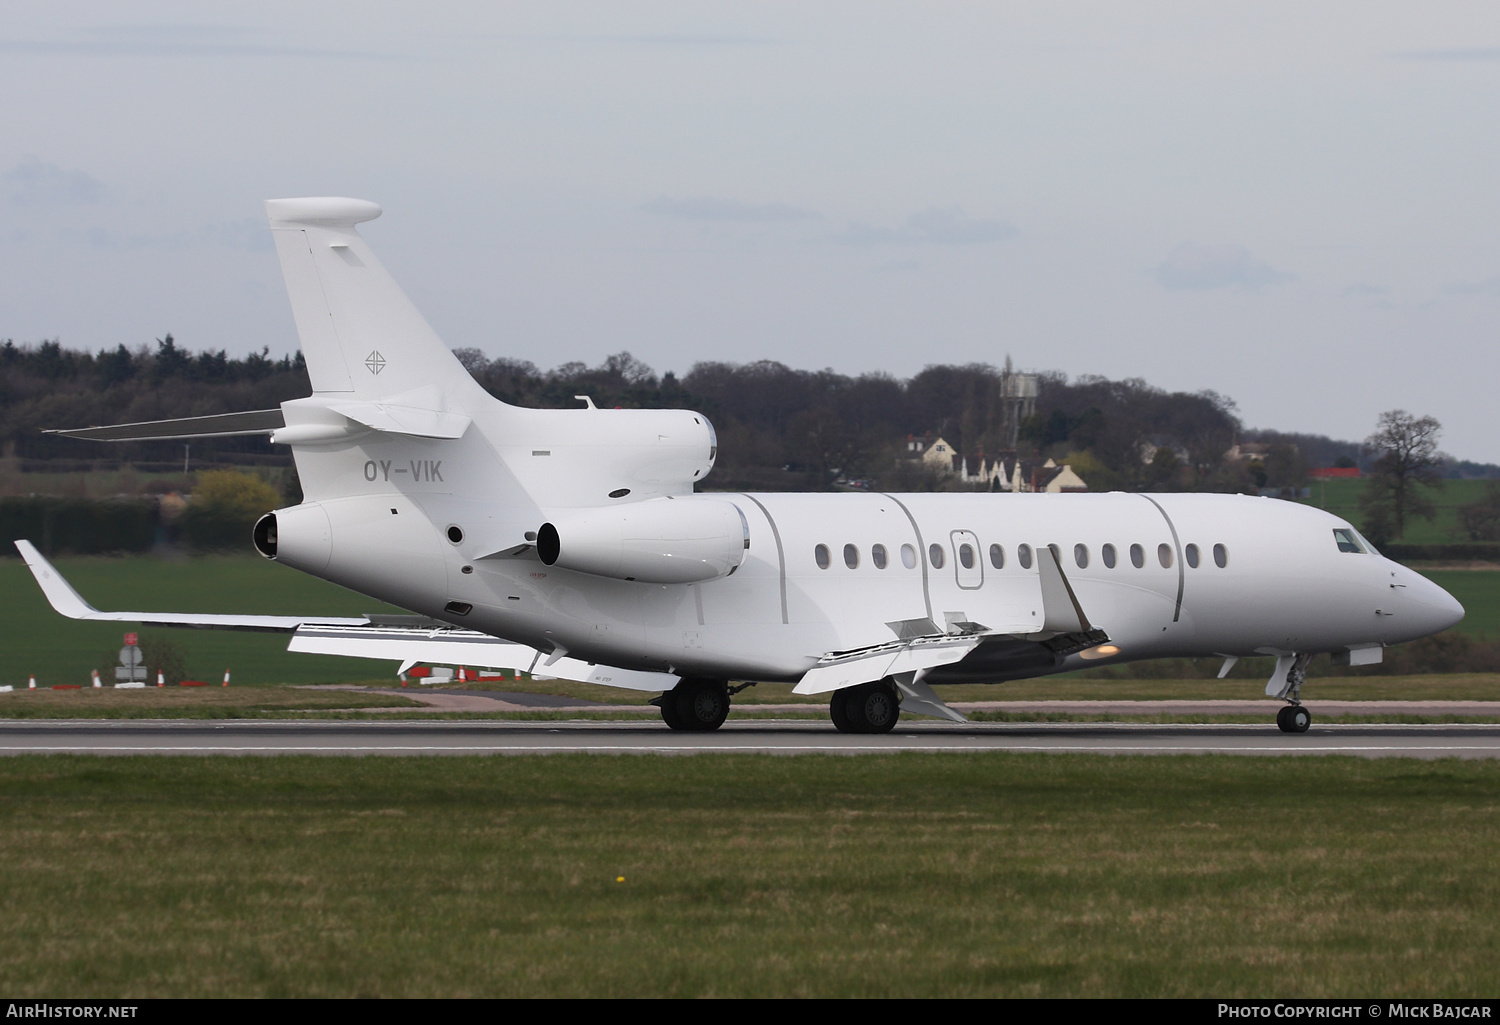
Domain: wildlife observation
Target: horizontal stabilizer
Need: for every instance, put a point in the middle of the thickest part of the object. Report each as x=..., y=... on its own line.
x=398, y=419
x=65, y=600
x=221, y=425
x=423, y=643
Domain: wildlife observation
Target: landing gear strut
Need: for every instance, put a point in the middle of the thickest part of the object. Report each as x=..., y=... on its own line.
x=867, y=708
x=1286, y=683
x=695, y=704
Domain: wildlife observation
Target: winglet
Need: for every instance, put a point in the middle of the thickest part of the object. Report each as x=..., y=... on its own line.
x=68, y=602
x=60, y=593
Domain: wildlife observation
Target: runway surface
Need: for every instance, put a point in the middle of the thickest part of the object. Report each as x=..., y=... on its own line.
x=765, y=736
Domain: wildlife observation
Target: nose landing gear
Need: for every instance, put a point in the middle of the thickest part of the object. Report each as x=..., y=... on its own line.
x=1293, y=719
x=1286, y=682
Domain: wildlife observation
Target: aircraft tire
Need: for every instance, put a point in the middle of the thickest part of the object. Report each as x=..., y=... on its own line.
x=838, y=711
x=1281, y=723
x=702, y=705
x=873, y=707
x=1298, y=720
x=669, y=711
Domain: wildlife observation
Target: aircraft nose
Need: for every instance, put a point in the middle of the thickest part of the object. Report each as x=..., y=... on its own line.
x=1434, y=609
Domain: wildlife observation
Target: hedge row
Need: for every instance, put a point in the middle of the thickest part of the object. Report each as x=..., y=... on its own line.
x=1469, y=551
x=78, y=526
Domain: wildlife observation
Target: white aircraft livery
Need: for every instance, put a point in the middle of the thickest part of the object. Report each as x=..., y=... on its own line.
x=575, y=543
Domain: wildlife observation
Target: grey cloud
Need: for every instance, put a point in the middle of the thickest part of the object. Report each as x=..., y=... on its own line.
x=1467, y=53
x=1194, y=266
x=950, y=227
x=34, y=182
x=1489, y=286
x=169, y=41
x=1363, y=289
x=249, y=235
x=707, y=208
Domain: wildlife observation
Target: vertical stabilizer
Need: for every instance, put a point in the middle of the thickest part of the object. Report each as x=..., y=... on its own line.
x=361, y=336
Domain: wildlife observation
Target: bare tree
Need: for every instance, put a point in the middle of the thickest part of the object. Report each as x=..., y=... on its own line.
x=1408, y=461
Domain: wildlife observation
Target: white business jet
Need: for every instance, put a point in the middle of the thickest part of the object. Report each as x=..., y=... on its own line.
x=573, y=543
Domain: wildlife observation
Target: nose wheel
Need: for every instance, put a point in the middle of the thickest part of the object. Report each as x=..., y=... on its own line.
x=1293, y=719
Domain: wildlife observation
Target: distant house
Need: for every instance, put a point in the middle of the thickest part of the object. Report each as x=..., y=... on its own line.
x=1332, y=472
x=1004, y=472
x=936, y=453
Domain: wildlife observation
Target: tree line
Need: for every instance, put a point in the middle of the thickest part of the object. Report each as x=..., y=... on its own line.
x=779, y=428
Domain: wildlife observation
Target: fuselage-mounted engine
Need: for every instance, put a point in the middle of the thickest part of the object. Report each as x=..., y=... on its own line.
x=662, y=541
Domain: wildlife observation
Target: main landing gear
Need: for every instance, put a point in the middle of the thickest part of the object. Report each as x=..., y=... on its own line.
x=696, y=704
x=867, y=708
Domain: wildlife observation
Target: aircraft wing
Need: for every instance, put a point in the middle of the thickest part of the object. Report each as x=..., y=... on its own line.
x=65, y=600
x=839, y=669
x=403, y=639
x=430, y=643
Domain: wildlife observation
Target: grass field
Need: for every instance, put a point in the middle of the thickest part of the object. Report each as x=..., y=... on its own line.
x=910, y=875
x=34, y=639
x=1341, y=497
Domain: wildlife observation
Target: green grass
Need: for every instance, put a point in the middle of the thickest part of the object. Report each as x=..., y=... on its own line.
x=909, y=875
x=266, y=702
x=1478, y=591
x=1341, y=497
x=34, y=639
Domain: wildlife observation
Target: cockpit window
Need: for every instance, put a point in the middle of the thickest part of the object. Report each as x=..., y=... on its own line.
x=1348, y=540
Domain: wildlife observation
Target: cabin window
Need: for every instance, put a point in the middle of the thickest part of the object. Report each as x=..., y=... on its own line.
x=1191, y=552
x=1023, y=555
x=878, y=556
x=908, y=557
x=1081, y=556
x=1137, y=556
x=966, y=556
x=1348, y=541
x=1107, y=553
x=1164, y=555
x=820, y=553
x=935, y=555
x=997, y=556
x=851, y=556
x=1221, y=556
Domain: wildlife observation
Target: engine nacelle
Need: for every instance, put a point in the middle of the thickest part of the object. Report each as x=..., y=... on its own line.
x=299, y=536
x=662, y=541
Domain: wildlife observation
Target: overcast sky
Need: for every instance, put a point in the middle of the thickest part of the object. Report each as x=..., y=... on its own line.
x=1293, y=204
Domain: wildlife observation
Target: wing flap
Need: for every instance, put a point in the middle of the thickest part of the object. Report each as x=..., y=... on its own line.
x=839, y=669
x=412, y=644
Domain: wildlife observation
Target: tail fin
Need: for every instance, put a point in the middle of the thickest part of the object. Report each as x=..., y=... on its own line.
x=361, y=336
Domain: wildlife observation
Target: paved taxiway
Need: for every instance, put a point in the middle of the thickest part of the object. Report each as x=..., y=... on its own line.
x=784, y=737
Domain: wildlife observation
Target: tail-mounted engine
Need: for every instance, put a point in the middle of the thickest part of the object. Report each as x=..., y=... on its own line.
x=663, y=541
